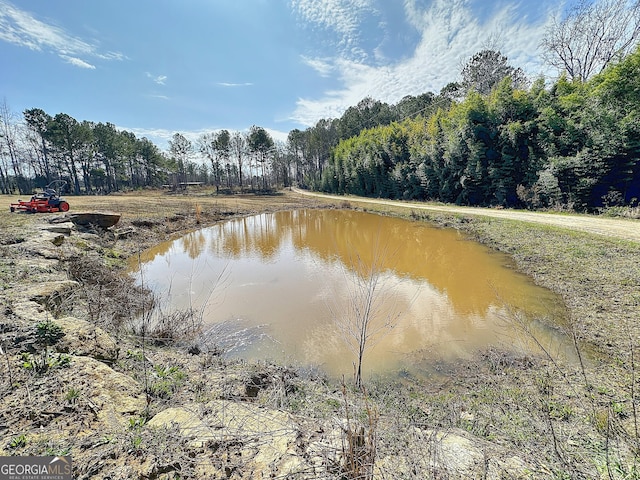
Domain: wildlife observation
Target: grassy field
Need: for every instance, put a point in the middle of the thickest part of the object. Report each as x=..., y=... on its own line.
x=560, y=419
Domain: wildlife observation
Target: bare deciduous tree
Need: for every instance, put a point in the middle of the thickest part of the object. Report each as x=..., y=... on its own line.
x=9, y=138
x=370, y=308
x=592, y=35
x=216, y=147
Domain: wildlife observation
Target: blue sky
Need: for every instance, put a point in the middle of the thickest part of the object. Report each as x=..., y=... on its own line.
x=157, y=67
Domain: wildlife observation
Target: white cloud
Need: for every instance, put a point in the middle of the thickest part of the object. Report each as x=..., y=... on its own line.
x=159, y=79
x=227, y=84
x=161, y=136
x=21, y=28
x=111, y=56
x=77, y=62
x=277, y=135
x=343, y=17
x=450, y=34
x=324, y=67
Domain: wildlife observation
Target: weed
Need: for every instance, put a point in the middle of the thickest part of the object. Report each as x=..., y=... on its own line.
x=560, y=411
x=18, y=442
x=82, y=245
x=136, y=442
x=296, y=405
x=28, y=361
x=111, y=300
x=172, y=328
x=630, y=472
x=360, y=439
x=3, y=351
x=166, y=381
x=619, y=211
x=619, y=410
x=137, y=356
x=48, y=333
x=602, y=390
x=136, y=423
x=107, y=439
x=41, y=363
x=111, y=253
x=135, y=427
x=63, y=360
x=72, y=395
x=53, y=451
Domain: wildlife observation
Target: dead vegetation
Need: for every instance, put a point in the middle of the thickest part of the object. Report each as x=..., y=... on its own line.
x=126, y=401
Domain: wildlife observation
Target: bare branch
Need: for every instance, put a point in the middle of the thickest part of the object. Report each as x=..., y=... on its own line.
x=591, y=36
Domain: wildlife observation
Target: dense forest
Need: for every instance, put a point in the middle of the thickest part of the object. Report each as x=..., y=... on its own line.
x=574, y=145
x=492, y=138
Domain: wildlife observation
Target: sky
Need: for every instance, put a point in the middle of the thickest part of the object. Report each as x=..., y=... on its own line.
x=159, y=67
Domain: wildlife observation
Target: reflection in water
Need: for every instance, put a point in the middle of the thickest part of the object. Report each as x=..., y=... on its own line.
x=292, y=272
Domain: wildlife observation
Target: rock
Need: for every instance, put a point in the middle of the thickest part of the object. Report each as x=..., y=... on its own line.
x=264, y=438
x=257, y=382
x=95, y=219
x=41, y=244
x=452, y=454
x=50, y=291
x=85, y=339
x=114, y=395
x=124, y=232
x=50, y=294
x=26, y=314
x=188, y=421
x=30, y=312
x=64, y=228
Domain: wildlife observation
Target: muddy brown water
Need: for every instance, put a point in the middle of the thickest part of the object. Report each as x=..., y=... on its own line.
x=288, y=287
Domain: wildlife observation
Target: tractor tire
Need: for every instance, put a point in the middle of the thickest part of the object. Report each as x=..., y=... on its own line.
x=64, y=206
x=12, y=209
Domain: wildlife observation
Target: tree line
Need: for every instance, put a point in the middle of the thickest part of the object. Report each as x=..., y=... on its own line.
x=38, y=148
x=492, y=138
x=495, y=139
x=574, y=145
x=91, y=157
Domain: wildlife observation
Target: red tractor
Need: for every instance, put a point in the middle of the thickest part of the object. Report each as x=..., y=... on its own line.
x=45, y=201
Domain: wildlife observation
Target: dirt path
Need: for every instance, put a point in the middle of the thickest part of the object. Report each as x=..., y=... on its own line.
x=618, y=228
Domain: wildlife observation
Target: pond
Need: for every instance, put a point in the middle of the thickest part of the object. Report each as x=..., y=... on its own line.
x=297, y=286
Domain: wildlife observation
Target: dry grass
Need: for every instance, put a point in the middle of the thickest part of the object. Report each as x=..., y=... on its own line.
x=545, y=413
x=159, y=203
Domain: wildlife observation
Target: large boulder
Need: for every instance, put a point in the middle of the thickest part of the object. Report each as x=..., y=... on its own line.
x=114, y=396
x=86, y=339
x=452, y=453
x=43, y=244
x=264, y=439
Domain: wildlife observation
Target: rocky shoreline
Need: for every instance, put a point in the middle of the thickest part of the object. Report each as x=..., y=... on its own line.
x=123, y=406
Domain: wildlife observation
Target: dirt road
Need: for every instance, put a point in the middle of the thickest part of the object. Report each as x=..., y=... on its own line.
x=626, y=229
